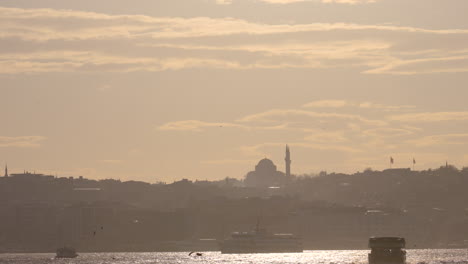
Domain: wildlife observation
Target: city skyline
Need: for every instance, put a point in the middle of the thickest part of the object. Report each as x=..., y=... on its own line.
x=330, y=211
x=204, y=89
x=268, y=180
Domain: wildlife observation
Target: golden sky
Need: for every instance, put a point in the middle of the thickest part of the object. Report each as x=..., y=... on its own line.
x=203, y=89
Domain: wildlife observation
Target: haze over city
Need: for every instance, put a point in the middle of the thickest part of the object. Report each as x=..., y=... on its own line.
x=204, y=89
x=234, y=131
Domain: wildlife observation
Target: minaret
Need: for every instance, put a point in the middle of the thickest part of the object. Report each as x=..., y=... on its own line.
x=6, y=170
x=287, y=159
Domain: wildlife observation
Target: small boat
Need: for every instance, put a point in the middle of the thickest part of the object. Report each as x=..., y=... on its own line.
x=387, y=250
x=66, y=252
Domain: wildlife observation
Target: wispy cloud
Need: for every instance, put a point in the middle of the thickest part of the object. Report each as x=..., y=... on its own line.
x=446, y=63
x=327, y=103
x=45, y=24
x=196, y=125
x=177, y=43
x=78, y=61
x=331, y=50
x=430, y=117
x=370, y=105
x=351, y=2
x=327, y=137
x=441, y=140
x=389, y=132
x=223, y=2
x=317, y=127
x=356, y=140
x=22, y=141
x=363, y=105
x=290, y=114
x=319, y=55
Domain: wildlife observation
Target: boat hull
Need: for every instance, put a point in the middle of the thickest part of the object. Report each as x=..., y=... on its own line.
x=70, y=256
x=396, y=259
x=66, y=252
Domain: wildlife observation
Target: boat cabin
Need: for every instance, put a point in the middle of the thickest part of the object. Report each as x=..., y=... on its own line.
x=66, y=252
x=387, y=250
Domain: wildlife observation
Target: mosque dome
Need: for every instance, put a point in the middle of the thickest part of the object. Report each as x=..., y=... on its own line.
x=265, y=165
x=266, y=175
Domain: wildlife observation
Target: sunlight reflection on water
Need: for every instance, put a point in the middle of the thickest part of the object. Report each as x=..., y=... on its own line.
x=440, y=256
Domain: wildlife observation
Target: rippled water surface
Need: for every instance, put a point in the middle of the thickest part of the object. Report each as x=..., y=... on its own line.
x=437, y=256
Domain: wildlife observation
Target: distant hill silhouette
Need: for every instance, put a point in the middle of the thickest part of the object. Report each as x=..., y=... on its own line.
x=329, y=210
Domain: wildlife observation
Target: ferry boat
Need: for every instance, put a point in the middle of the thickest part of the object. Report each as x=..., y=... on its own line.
x=66, y=252
x=387, y=250
x=260, y=241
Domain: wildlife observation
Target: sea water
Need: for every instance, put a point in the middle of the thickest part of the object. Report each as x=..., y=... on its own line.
x=422, y=256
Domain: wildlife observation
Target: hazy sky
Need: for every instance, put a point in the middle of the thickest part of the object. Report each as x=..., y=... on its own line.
x=159, y=90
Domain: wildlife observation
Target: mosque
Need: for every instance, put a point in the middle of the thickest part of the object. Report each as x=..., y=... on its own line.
x=266, y=174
